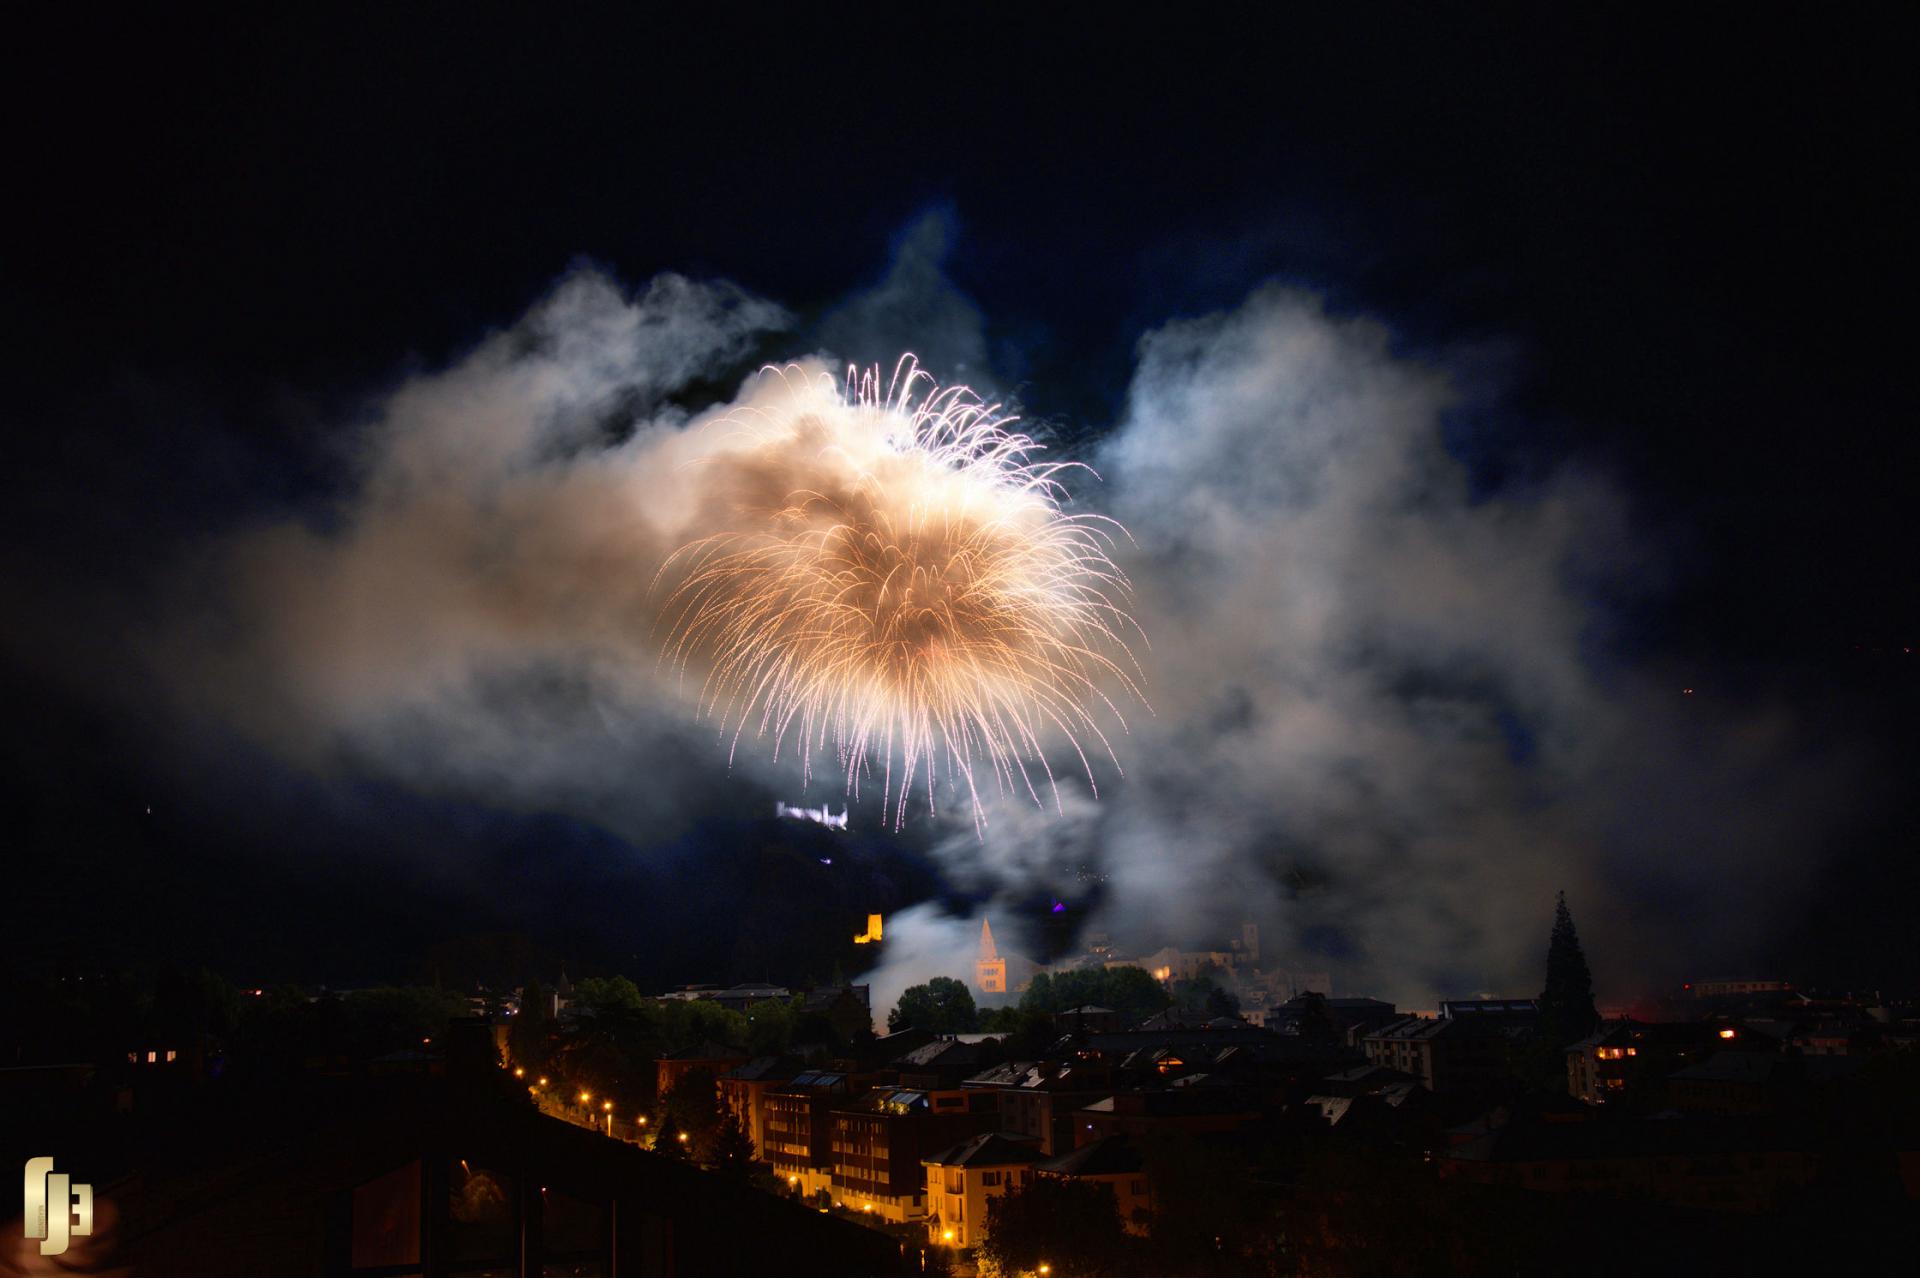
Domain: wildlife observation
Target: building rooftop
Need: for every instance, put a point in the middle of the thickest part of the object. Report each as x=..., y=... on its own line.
x=942, y=1052
x=816, y=1080
x=761, y=1069
x=1109, y=1156
x=990, y=1149
x=1764, y=1067
x=1483, y=1008
x=1537, y=1141
x=1412, y=1028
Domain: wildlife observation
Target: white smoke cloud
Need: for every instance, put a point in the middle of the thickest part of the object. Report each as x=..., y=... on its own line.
x=1377, y=730
x=922, y=942
x=473, y=615
x=1374, y=727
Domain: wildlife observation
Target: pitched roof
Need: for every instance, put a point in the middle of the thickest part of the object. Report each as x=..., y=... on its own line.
x=1764, y=1067
x=942, y=1051
x=1109, y=1156
x=762, y=1068
x=990, y=1149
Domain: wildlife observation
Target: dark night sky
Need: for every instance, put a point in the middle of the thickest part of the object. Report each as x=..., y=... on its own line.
x=1684, y=255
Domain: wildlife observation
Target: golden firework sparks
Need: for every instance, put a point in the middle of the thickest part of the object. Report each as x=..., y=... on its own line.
x=898, y=582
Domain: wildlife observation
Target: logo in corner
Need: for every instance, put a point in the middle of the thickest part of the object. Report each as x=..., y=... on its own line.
x=55, y=1209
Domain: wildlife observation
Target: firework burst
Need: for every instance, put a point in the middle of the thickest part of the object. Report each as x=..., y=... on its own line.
x=898, y=585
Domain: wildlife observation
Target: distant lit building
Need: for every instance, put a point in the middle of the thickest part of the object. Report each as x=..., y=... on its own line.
x=1145, y=1116
x=879, y=1140
x=743, y=1093
x=1037, y=1100
x=1722, y=989
x=997, y=973
x=799, y=1129
x=741, y=998
x=1468, y=1046
x=1348, y=1019
x=712, y=1057
x=962, y=1177
x=1604, y=1065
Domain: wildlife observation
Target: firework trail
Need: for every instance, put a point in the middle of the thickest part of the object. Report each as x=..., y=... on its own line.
x=898, y=583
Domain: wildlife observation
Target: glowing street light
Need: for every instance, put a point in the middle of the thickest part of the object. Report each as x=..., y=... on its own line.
x=683, y=1138
x=543, y=1080
x=585, y=1097
x=520, y=1072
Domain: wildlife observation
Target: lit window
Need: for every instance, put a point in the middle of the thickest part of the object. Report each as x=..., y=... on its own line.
x=152, y=1057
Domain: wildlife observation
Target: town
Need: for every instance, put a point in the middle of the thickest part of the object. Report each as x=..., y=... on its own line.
x=1100, y=1115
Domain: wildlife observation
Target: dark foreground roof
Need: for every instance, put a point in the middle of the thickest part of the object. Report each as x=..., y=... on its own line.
x=234, y=1188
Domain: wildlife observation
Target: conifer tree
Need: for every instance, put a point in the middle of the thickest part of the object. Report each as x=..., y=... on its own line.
x=1566, y=1005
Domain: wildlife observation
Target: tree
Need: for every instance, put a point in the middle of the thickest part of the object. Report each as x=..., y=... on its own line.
x=1316, y=1023
x=770, y=1027
x=941, y=1006
x=1026, y=1033
x=691, y=1106
x=1130, y=991
x=1205, y=996
x=1039, y=995
x=1069, y=1225
x=600, y=994
x=730, y=1149
x=397, y=1017
x=1566, y=1005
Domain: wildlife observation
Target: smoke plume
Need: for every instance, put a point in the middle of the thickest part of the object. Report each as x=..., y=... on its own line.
x=1377, y=725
